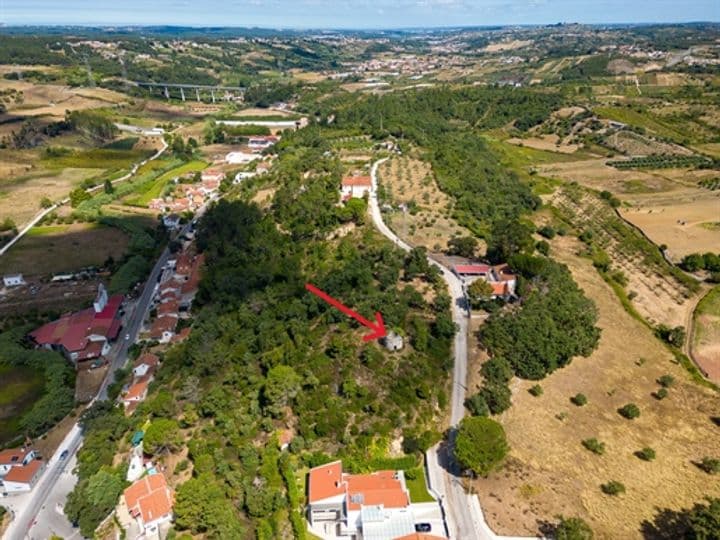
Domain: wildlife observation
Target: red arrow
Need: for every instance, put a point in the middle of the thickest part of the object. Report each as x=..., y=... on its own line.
x=378, y=327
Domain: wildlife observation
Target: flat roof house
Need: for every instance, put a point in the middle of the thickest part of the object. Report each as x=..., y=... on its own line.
x=372, y=506
x=13, y=280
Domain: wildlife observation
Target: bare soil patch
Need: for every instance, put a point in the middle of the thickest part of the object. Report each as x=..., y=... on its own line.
x=549, y=143
x=507, y=45
x=680, y=224
x=409, y=181
x=549, y=472
x=63, y=248
x=706, y=334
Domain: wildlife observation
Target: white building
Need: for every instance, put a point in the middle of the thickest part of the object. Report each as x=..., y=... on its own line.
x=13, y=280
x=237, y=158
x=355, y=187
x=20, y=469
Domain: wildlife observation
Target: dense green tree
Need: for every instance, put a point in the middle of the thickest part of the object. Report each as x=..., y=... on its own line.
x=163, y=435
x=573, y=528
x=281, y=386
x=464, y=246
x=480, y=445
x=508, y=238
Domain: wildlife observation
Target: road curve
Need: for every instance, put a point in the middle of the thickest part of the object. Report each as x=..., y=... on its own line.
x=464, y=518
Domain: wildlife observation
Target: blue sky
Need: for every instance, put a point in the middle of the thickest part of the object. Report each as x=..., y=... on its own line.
x=352, y=13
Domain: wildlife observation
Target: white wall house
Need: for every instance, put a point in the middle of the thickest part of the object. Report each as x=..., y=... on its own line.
x=13, y=280
x=355, y=187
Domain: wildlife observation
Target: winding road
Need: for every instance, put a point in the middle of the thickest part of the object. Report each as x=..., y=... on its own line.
x=464, y=518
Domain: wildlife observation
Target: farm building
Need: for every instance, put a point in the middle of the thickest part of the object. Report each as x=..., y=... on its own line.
x=355, y=187
x=86, y=334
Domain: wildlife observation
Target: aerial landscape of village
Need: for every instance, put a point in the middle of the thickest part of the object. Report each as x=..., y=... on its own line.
x=454, y=277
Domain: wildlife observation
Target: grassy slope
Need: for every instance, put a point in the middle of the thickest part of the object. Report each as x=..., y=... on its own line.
x=644, y=120
x=21, y=388
x=155, y=189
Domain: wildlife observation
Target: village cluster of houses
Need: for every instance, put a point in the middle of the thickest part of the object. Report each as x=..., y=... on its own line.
x=374, y=506
x=84, y=335
x=190, y=197
x=174, y=295
x=20, y=469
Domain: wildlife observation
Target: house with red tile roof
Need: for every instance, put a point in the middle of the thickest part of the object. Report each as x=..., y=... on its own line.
x=212, y=175
x=355, y=186
x=137, y=391
x=369, y=506
x=86, y=334
x=20, y=469
x=145, y=364
x=150, y=502
x=163, y=328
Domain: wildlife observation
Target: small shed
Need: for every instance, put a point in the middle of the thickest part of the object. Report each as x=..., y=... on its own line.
x=393, y=341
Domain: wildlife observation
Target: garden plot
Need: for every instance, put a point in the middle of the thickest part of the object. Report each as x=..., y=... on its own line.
x=426, y=222
x=661, y=293
x=549, y=472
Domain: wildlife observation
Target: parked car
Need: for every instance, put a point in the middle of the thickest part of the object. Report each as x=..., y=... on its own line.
x=64, y=454
x=423, y=527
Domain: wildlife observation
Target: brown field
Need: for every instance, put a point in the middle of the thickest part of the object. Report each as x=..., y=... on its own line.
x=409, y=179
x=657, y=295
x=63, y=248
x=549, y=472
x=507, y=45
x=635, y=144
x=20, y=196
x=264, y=197
x=54, y=100
x=549, y=143
x=679, y=222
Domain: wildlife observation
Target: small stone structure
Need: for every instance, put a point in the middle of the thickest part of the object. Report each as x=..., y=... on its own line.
x=393, y=341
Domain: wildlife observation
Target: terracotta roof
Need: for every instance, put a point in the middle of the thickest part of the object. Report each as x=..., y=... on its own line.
x=472, y=269
x=137, y=389
x=325, y=482
x=148, y=358
x=376, y=488
x=168, y=308
x=499, y=288
x=13, y=456
x=362, y=181
x=161, y=325
x=23, y=474
x=150, y=498
x=180, y=336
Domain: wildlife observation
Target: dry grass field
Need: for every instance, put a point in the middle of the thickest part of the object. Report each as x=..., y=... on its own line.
x=53, y=100
x=549, y=143
x=549, y=472
x=684, y=224
x=657, y=294
x=20, y=195
x=60, y=248
x=408, y=179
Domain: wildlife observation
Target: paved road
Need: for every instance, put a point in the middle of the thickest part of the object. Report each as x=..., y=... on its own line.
x=35, y=512
x=463, y=515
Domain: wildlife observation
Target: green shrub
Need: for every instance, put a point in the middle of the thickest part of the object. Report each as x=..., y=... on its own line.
x=572, y=529
x=536, y=390
x=480, y=445
x=646, y=454
x=579, y=399
x=595, y=446
x=613, y=487
x=661, y=394
x=666, y=381
x=629, y=411
x=710, y=465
